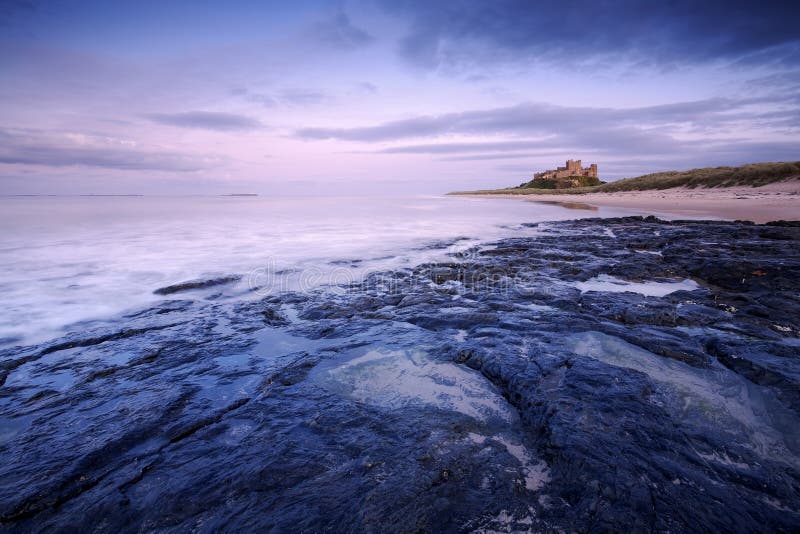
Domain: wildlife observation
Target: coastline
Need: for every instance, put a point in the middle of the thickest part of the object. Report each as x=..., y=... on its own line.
x=778, y=201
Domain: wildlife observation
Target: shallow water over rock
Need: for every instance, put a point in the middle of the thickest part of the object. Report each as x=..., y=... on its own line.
x=715, y=394
x=397, y=378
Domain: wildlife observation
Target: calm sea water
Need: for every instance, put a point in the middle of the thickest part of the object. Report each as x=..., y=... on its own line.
x=65, y=261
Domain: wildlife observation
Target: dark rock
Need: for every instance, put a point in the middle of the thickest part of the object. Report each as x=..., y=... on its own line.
x=196, y=284
x=274, y=318
x=787, y=224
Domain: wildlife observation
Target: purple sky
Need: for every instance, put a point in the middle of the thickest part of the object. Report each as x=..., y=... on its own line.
x=386, y=96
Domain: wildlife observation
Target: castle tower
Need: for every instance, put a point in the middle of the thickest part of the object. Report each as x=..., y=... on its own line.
x=573, y=165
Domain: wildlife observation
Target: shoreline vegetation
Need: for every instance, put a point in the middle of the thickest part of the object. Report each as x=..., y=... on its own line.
x=751, y=175
x=759, y=192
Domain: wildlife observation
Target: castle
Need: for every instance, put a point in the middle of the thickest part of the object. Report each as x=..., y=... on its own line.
x=573, y=168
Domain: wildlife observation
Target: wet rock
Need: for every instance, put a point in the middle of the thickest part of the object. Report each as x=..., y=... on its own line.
x=772, y=365
x=272, y=317
x=484, y=393
x=787, y=224
x=196, y=284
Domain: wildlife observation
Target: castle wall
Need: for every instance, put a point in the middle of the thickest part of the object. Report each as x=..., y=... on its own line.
x=572, y=168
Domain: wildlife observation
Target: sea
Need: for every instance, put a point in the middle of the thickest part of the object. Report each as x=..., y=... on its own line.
x=68, y=263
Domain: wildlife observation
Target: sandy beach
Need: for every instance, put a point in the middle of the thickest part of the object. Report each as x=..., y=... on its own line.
x=758, y=204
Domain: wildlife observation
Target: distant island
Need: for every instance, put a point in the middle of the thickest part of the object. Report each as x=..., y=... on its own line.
x=241, y=195
x=579, y=180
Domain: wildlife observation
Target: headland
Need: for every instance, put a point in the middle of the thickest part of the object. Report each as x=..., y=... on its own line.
x=758, y=192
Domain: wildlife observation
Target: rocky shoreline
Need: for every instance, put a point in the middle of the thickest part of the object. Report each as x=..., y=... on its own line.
x=606, y=374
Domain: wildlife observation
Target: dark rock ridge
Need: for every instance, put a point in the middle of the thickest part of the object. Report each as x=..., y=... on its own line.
x=197, y=284
x=489, y=393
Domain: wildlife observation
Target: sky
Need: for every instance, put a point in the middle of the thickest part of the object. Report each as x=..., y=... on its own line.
x=386, y=96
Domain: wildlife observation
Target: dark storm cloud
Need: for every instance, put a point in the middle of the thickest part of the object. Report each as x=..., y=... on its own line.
x=547, y=119
x=33, y=147
x=206, y=120
x=655, y=32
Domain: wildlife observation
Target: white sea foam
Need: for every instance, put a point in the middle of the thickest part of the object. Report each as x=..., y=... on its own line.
x=64, y=260
x=610, y=284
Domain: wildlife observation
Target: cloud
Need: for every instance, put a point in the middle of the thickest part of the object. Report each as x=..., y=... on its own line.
x=587, y=139
x=367, y=88
x=503, y=155
x=710, y=131
x=263, y=99
x=53, y=149
x=417, y=127
x=339, y=32
x=291, y=97
x=455, y=148
x=572, y=31
x=778, y=83
x=540, y=119
x=206, y=120
x=302, y=97
x=611, y=142
x=620, y=154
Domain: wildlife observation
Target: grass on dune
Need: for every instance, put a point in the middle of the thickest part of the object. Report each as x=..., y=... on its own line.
x=754, y=175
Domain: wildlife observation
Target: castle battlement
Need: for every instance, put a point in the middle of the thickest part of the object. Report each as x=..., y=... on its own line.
x=572, y=168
